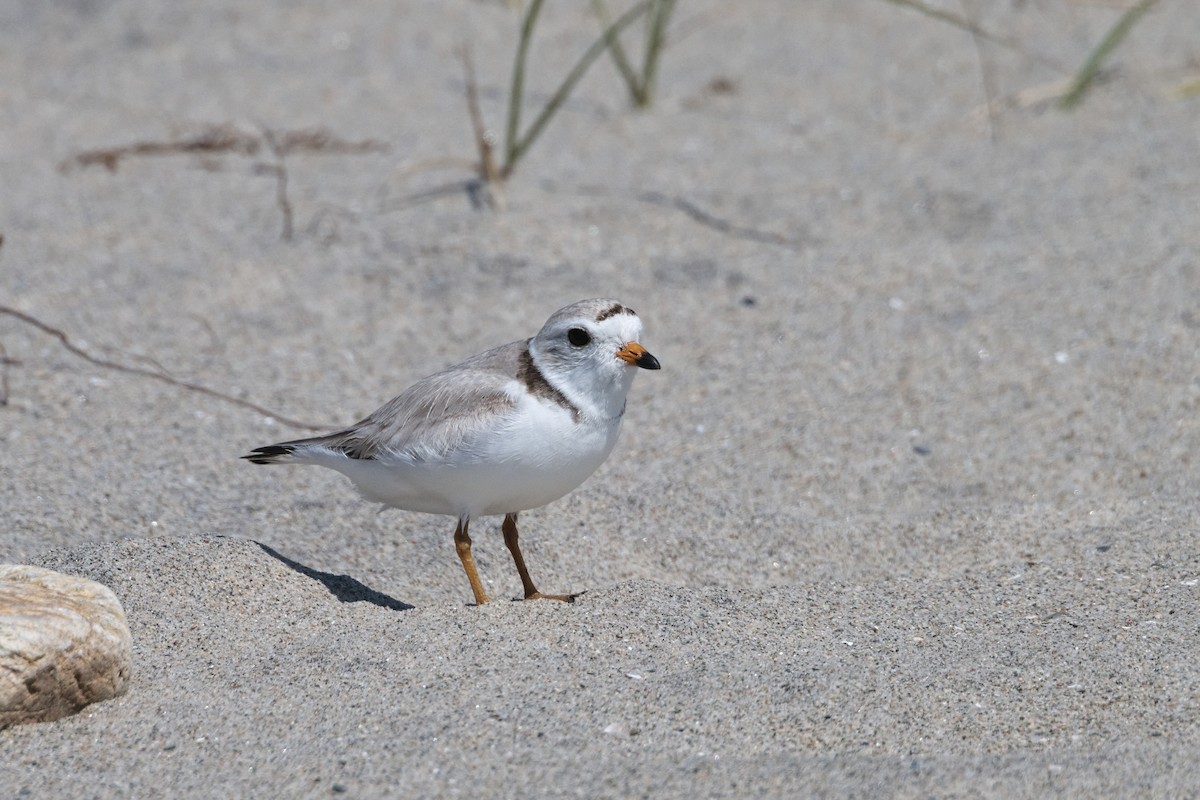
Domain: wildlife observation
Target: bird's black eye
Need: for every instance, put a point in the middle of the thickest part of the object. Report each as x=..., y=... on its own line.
x=578, y=337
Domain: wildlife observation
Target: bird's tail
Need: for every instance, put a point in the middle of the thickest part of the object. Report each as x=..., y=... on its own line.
x=317, y=450
x=273, y=453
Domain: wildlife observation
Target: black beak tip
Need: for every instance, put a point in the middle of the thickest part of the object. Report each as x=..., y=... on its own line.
x=648, y=361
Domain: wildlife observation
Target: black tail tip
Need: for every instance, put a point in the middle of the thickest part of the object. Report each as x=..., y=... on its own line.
x=269, y=454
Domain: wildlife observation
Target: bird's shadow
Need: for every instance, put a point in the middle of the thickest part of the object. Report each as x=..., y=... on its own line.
x=343, y=587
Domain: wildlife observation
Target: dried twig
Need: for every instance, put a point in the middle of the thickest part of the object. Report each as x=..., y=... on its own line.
x=470, y=187
x=489, y=173
x=149, y=373
x=718, y=224
x=690, y=209
x=229, y=139
x=5, y=363
x=985, y=75
x=224, y=139
x=320, y=140
x=279, y=170
x=211, y=139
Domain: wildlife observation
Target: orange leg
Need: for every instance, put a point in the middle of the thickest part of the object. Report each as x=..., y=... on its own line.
x=462, y=544
x=531, y=592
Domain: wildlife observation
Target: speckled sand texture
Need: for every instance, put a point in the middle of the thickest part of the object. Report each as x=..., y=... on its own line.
x=910, y=509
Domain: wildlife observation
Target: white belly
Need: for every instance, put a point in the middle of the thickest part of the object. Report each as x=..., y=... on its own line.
x=539, y=455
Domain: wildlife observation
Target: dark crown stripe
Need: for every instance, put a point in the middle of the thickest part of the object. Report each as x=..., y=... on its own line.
x=613, y=310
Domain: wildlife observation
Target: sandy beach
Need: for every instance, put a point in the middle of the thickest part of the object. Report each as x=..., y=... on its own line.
x=909, y=510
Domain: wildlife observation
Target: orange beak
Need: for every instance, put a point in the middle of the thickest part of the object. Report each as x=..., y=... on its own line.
x=635, y=355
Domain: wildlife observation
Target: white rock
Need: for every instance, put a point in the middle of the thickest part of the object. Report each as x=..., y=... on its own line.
x=64, y=643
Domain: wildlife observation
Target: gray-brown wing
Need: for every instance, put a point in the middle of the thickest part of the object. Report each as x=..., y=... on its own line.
x=436, y=414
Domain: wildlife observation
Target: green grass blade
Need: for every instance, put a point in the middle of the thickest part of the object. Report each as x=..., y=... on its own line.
x=517, y=89
x=517, y=149
x=655, y=38
x=618, y=52
x=1087, y=73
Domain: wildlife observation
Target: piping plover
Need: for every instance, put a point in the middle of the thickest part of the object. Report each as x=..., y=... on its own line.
x=511, y=429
